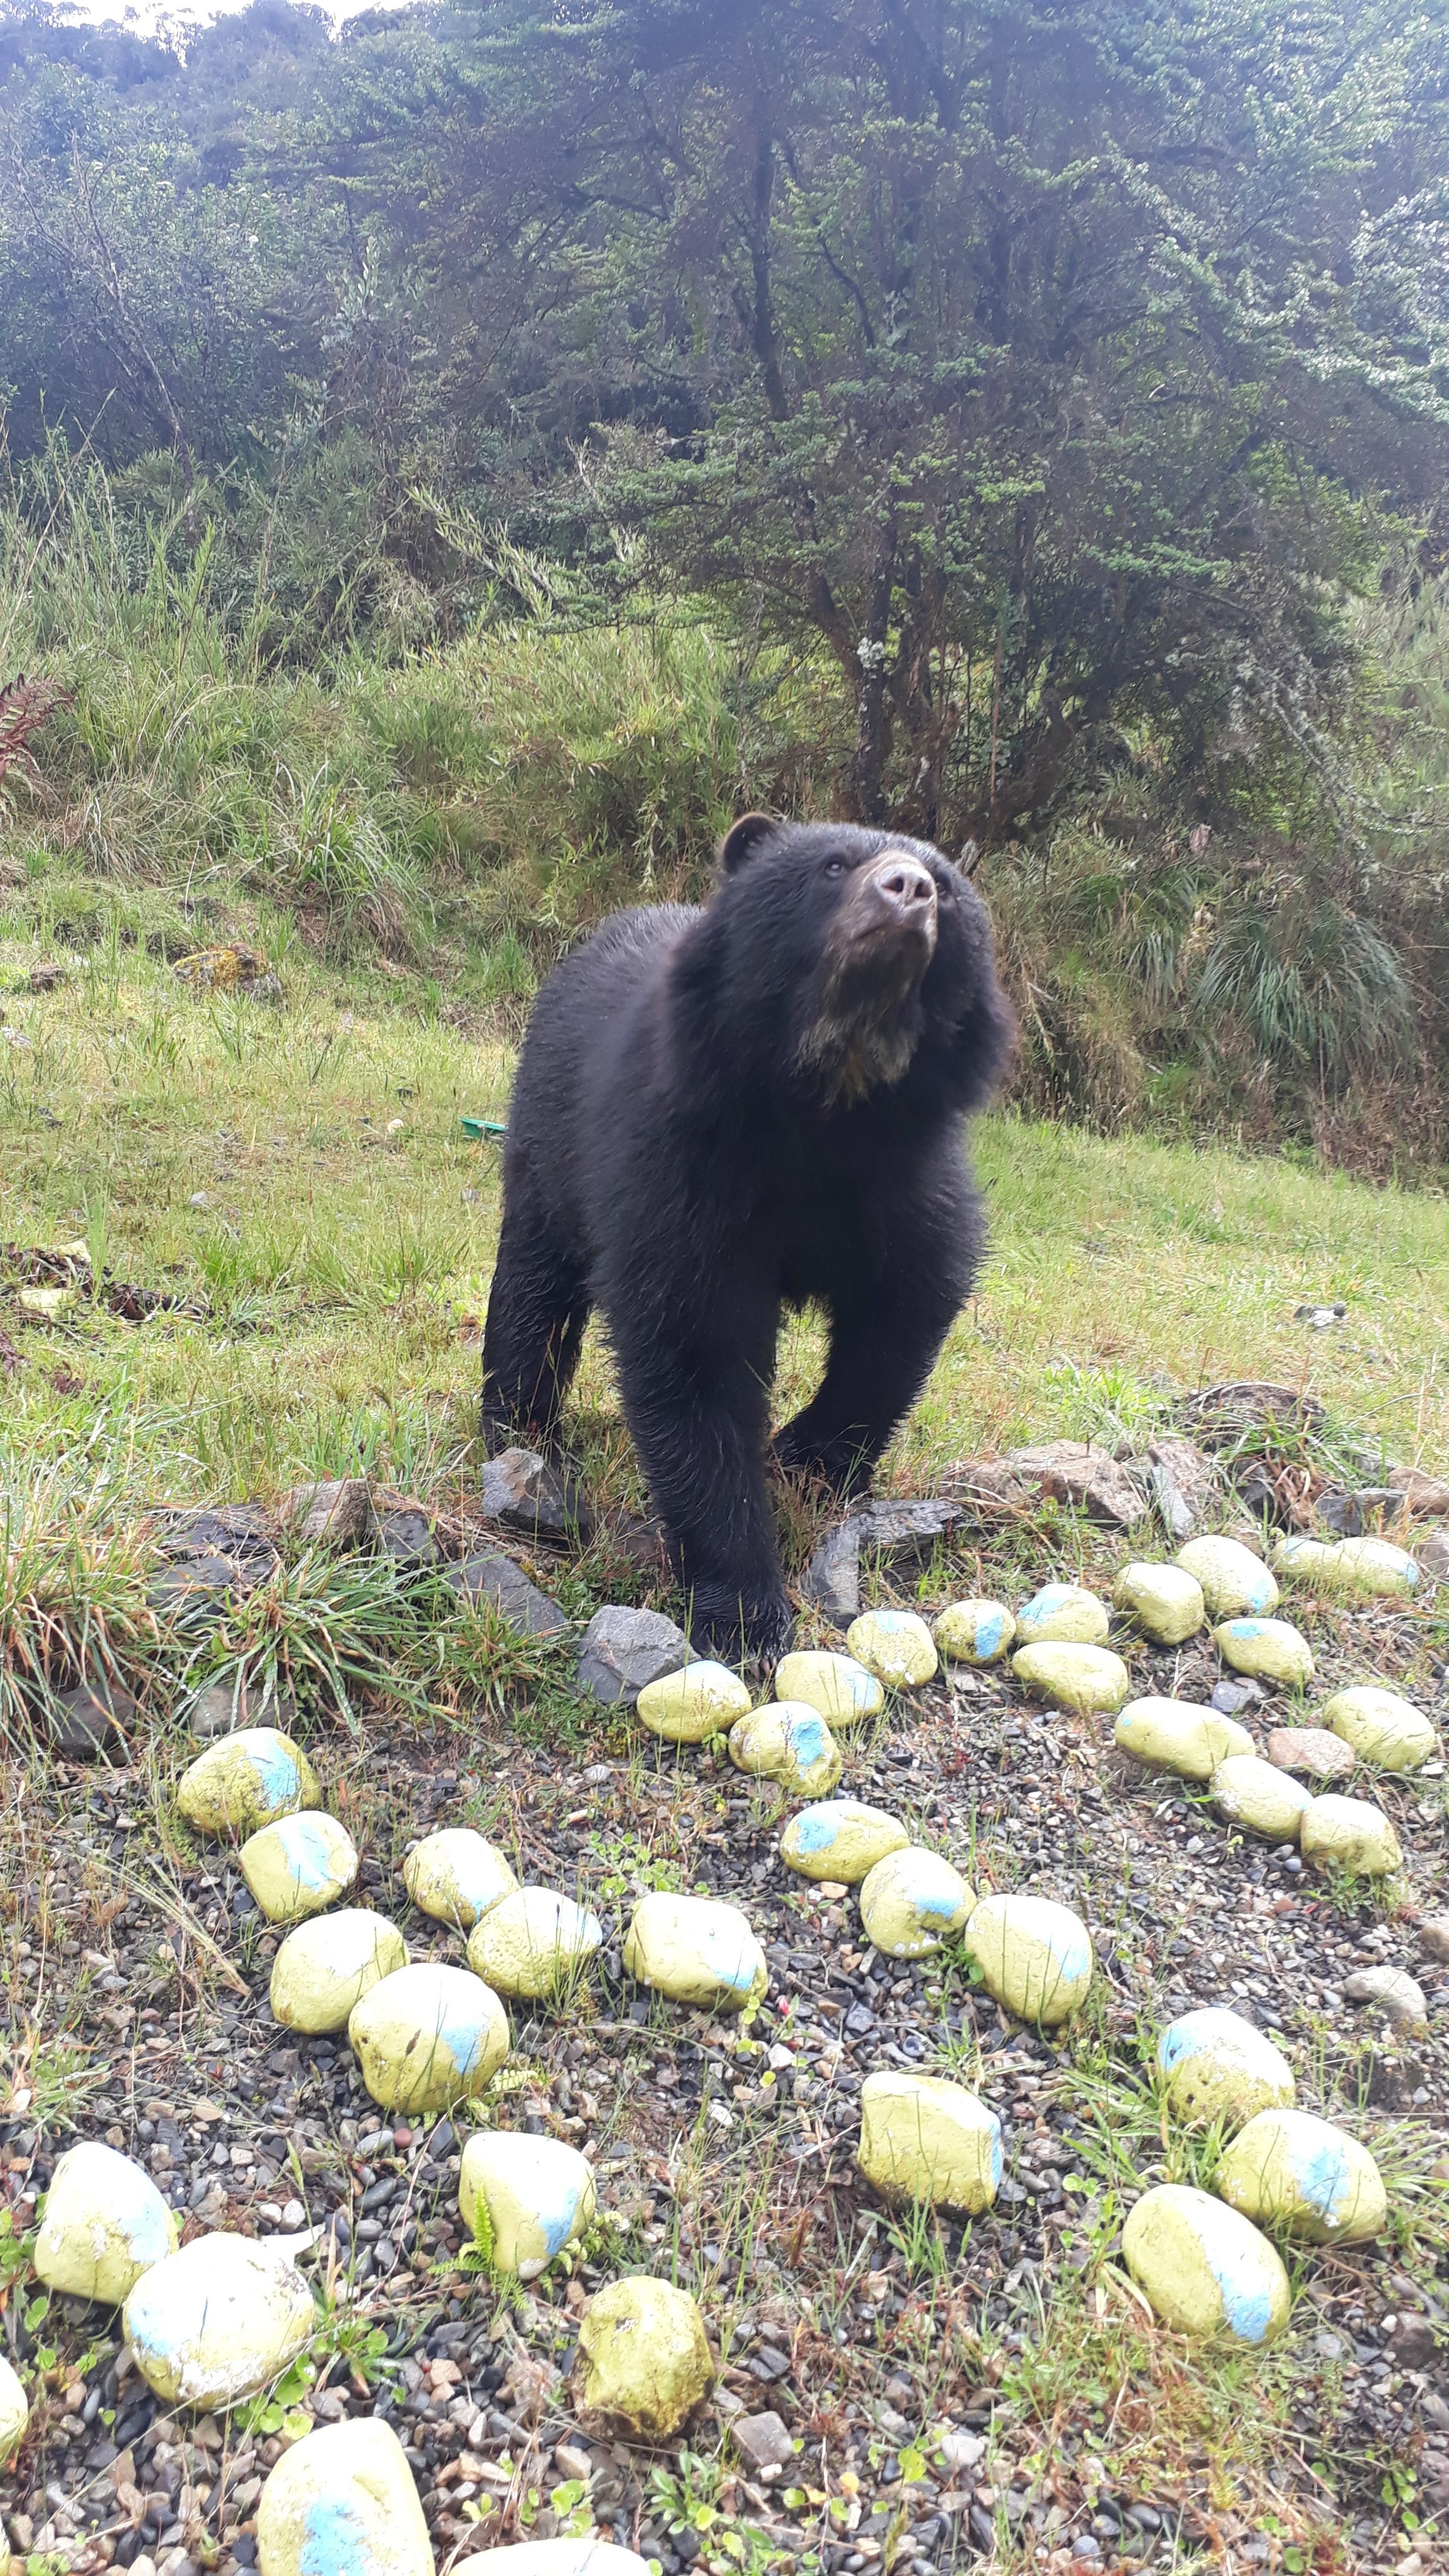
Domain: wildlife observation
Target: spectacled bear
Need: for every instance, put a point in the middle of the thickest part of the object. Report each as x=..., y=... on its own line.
x=724, y=1111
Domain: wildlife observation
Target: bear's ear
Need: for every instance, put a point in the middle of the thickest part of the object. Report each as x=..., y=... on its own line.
x=744, y=841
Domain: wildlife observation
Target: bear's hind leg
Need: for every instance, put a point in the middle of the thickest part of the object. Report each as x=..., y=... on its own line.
x=538, y=1306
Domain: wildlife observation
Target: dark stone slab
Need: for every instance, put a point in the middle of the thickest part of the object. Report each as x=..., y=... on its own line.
x=491, y=1576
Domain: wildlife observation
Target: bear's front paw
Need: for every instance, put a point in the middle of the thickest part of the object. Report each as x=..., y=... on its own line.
x=732, y=1628
x=842, y=1469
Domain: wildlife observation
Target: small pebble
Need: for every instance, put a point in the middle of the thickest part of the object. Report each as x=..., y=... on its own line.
x=534, y=2194
x=428, y=2036
x=245, y=1781
x=326, y=1966
x=1218, y=2067
x=974, y=1632
x=789, y=1742
x=218, y=2321
x=1311, y=1750
x=1381, y=1727
x=1035, y=1957
x=1399, y=1994
x=531, y=1943
x=456, y=1875
x=646, y=2358
x=105, y=2224
x=697, y=1950
x=1177, y=1735
x=894, y=1645
x=1087, y=1680
x=1370, y=1566
x=298, y=1866
x=343, y=2502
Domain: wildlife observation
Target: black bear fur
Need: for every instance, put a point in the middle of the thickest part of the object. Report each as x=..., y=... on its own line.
x=722, y=1112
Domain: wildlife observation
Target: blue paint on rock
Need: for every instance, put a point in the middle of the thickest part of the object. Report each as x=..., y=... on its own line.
x=335, y=2541
x=1247, y=2296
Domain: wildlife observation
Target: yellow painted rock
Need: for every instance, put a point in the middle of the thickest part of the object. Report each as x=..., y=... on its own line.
x=535, y=2194
x=1236, y=1584
x=1216, y=2066
x=1369, y=1566
x=1357, y=1836
x=217, y=2321
x=105, y=2224
x=1288, y=2170
x=1062, y=1614
x=1270, y=1649
x=790, y=1742
x=975, y=1632
x=894, y=1645
x=696, y=1950
x=646, y=2357
x=1165, y=1601
x=840, y=1688
x=1257, y=1795
x=923, y=2138
x=456, y=1875
x=342, y=2502
x=912, y=1901
x=326, y=1966
x=1205, y=2269
x=1381, y=1727
x=698, y=1701
x=1176, y=1735
x=428, y=2036
x=1035, y=1957
x=298, y=1866
x=588, y=2556
x=14, y=2411
x=840, y=1839
x=531, y=1942
x=1089, y=1680
x=245, y=1781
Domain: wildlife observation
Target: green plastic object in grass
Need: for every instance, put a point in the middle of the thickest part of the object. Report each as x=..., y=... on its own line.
x=481, y=1128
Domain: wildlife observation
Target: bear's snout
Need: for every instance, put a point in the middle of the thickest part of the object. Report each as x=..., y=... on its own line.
x=895, y=896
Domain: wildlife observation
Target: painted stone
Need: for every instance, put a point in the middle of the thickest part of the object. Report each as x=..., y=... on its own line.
x=456, y=1875
x=975, y=1632
x=912, y=1901
x=696, y=1950
x=1216, y=2066
x=589, y=2556
x=428, y=2036
x=1235, y=1583
x=1359, y=1837
x=1382, y=1727
x=298, y=1866
x=326, y=1966
x=342, y=2502
x=1088, y=1680
x=1372, y=1567
x=924, y=2138
x=1270, y=1650
x=530, y=1943
x=840, y=1688
x=1287, y=2169
x=1176, y=1735
x=245, y=1781
x=105, y=2224
x=1205, y=2269
x=1062, y=1614
x=788, y=1741
x=1311, y=1750
x=14, y=2412
x=1035, y=1957
x=895, y=1645
x=646, y=2357
x=1251, y=1793
x=698, y=1701
x=217, y=2321
x=535, y=2194
x=840, y=1839
x=1165, y=1601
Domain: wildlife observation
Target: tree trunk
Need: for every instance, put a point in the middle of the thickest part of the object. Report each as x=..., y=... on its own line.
x=868, y=767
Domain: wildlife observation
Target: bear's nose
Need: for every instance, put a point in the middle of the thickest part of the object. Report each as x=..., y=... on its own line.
x=900, y=895
x=908, y=884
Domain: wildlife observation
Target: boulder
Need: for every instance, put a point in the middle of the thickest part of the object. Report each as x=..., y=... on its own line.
x=624, y=1650
x=1271, y=1650
x=298, y=1866
x=1286, y=2169
x=343, y=2502
x=1062, y=1614
x=531, y=1943
x=428, y=2036
x=1164, y=1601
x=974, y=1632
x=645, y=2355
x=1381, y=1727
x=912, y=1901
x=1035, y=1957
x=1352, y=1833
x=836, y=1685
x=895, y=1645
x=923, y=2138
x=1177, y=1735
x=489, y=1579
x=1251, y=1793
x=325, y=1967
x=697, y=1950
x=524, y=2198
x=1235, y=1584
x=1205, y=2269
x=1218, y=2067
x=788, y=1742
x=840, y=1839
x=245, y=1781
x=105, y=2224
x=218, y=2321
x=1087, y=1680
x=701, y=1699
x=455, y=1875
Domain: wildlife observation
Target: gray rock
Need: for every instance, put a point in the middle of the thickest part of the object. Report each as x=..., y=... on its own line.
x=1230, y=1697
x=220, y=1709
x=832, y=1578
x=762, y=2440
x=625, y=1649
x=491, y=1576
x=90, y=1718
x=212, y=1554
x=1434, y=1936
x=332, y=1515
x=1427, y=1494
x=1063, y=1471
x=198, y=1582
x=1184, y=1482
x=1433, y=1556
x=1321, y=1319
x=1392, y=1988
x=639, y=1542
x=961, y=2452
x=1348, y=1514
x=407, y=1537
x=893, y=1534
x=1241, y=1403
x=521, y=1489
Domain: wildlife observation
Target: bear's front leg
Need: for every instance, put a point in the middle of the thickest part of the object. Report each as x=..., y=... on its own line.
x=883, y=1348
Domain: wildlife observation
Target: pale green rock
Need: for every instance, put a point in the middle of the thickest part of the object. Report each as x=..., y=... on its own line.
x=1382, y=1727
x=1269, y=1649
x=1035, y=1957
x=789, y=1742
x=1372, y=1567
x=1235, y=1583
x=975, y=1632
x=1286, y=2169
x=428, y=2036
x=1217, y=2067
x=1308, y=1560
x=532, y=1942
x=895, y=1645
x=535, y=2195
x=923, y=2138
x=343, y=2502
x=298, y=1866
x=1350, y=1832
x=1206, y=2270
x=646, y=2358
x=1164, y=1601
x=588, y=2556
x=697, y=1950
x=456, y=1875
x=1257, y=1795
x=14, y=2412
x=246, y=1781
x=688, y=1706
x=326, y=1966
x=840, y=1839
x=1176, y=1735
x=836, y=1685
x=1062, y=1614
x=1088, y=1680
x=912, y=1901
x=105, y=2224
x=218, y=2321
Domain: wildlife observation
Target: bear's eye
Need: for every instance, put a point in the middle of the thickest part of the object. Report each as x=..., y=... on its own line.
x=833, y=868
